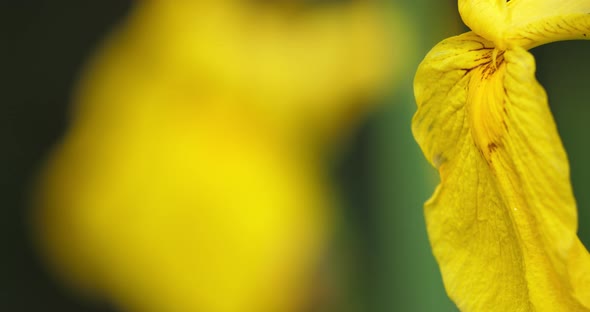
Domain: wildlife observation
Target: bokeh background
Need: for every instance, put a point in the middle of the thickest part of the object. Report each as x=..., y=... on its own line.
x=380, y=174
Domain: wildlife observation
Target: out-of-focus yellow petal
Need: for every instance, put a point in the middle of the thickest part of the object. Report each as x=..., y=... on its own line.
x=301, y=69
x=503, y=221
x=169, y=197
x=527, y=23
x=184, y=210
x=184, y=183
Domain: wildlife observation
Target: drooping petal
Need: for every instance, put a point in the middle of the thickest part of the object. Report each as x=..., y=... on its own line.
x=527, y=23
x=503, y=221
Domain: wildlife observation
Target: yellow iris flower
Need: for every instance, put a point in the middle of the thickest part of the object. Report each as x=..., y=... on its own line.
x=187, y=181
x=503, y=221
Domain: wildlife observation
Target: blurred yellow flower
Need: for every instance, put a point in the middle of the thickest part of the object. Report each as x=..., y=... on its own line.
x=296, y=66
x=503, y=221
x=188, y=181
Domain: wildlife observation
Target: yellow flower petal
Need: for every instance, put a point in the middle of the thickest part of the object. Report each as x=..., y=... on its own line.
x=299, y=69
x=180, y=185
x=177, y=211
x=487, y=18
x=534, y=23
x=503, y=221
x=527, y=23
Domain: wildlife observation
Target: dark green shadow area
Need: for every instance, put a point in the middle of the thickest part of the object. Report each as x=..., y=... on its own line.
x=563, y=68
x=44, y=45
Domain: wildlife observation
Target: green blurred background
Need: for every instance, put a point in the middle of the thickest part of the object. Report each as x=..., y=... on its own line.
x=382, y=174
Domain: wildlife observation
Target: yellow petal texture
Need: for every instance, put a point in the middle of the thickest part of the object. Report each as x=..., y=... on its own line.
x=527, y=23
x=503, y=221
x=485, y=17
x=187, y=181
